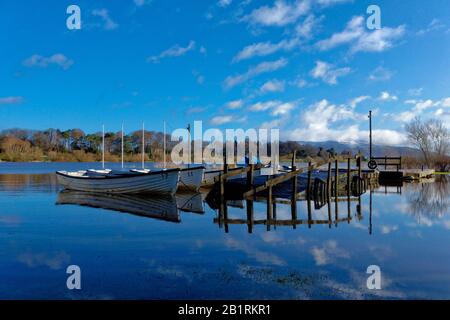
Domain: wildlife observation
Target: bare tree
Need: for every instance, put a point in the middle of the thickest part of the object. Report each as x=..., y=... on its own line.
x=433, y=139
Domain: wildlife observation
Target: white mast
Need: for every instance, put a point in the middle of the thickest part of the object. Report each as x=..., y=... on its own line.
x=189, y=146
x=164, y=145
x=103, y=146
x=122, y=145
x=143, y=146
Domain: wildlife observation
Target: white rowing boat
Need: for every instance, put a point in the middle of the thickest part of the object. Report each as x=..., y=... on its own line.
x=157, y=182
x=191, y=178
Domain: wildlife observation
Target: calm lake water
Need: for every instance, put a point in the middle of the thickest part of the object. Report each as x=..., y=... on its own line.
x=163, y=248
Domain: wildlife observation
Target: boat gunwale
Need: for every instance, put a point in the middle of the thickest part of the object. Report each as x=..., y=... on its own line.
x=221, y=170
x=191, y=169
x=123, y=176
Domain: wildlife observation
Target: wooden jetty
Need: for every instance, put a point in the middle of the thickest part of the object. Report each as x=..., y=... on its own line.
x=311, y=181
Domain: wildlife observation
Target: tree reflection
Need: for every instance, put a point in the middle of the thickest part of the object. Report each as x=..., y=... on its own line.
x=431, y=200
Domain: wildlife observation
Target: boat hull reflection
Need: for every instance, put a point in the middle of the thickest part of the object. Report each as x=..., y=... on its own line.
x=161, y=207
x=190, y=202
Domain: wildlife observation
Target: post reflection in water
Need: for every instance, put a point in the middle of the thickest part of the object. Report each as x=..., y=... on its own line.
x=271, y=220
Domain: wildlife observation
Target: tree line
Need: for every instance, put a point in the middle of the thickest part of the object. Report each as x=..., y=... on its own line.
x=431, y=137
x=76, y=145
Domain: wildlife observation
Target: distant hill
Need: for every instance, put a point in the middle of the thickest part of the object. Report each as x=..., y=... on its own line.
x=378, y=150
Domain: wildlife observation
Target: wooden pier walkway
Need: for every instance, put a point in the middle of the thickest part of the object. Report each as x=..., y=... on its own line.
x=311, y=180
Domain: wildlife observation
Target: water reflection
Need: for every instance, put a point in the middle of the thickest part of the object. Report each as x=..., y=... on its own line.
x=163, y=208
x=156, y=207
x=242, y=251
x=429, y=199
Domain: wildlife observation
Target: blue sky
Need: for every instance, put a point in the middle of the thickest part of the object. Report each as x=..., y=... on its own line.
x=310, y=68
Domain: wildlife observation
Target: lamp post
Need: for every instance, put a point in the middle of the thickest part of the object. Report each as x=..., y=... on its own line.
x=372, y=162
x=370, y=134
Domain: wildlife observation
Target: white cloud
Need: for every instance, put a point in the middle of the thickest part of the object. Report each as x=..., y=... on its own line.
x=224, y=3
x=273, y=86
x=378, y=40
x=332, y=2
x=328, y=253
x=415, y=92
x=280, y=14
x=261, y=49
x=422, y=105
x=360, y=39
x=43, y=62
x=322, y=123
x=419, y=107
x=276, y=123
x=445, y=102
x=175, y=51
x=358, y=100
x=108, y=23
x=263, y=67
x=277, y=108
x=263, y=106
x=381, y=74
x=386, y=229
x=198, y=77
x=54, y=261
x=352, y=31
x=235, y=104
x=328, y=73
x=219, y=120
x=306, y=29
x=434, y=25
x=282, y=109
x=299, y=83
x=11, y=100
x=303, y=30
x=386, y=96
x=223, y=119
x=196, y=109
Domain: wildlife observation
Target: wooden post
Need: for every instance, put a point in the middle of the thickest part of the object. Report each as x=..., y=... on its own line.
x=274, y=208
x=222, y=187
x=336, y=178
x=309, y=213
x=359, y=209
x=358, y=162
x=348, y=190
x=336, y=187
x=294, y=155
x=329, y=180
x=225, y=215
x=249, y=206
x=329, y=213
x=250, y=177
x=308, y=187
x=269, y=207
x=294, y=178
x=225, y=165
